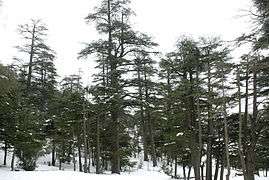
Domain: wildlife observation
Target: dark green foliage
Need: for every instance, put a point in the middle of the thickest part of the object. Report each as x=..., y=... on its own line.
x=28, y=138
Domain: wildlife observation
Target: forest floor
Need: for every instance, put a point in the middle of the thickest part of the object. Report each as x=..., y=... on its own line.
x=45, y=172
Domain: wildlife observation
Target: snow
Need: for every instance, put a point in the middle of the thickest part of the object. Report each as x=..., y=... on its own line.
x=3, y=77
x=143, y=171
x=180, y=134
x=45, y=172
x=171, y=143
x=71, y=175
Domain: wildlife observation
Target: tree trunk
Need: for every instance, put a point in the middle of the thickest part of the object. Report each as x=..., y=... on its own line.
x=60, y=164
x=53, y=154
x=202, y=171
x=115, y=157
x=91, y=156
x=222, y=170
x=189, y=173
x=184, y=172
x=98, y=151
x=5, y=153
x=143, y=123
x=175, y=175
x=250, y=156
x=210, y=129
x=13, y=160
x=152, y=141
x=85, y=141
x=226, y=137
x=74, y=162
x=250, y=163
x=198, y=163
x=115, y=167
x=240, y=146
x=217, y=169
x=31, y=58
x=79, y=156
x=150, y=125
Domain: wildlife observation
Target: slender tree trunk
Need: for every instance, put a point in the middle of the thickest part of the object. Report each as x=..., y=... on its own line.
x=62, y=155
x=226, y=137
x=85, y=141
x=175, y=167
x=31, y=58
x=144, y=124
x=74, y=163
x=53, y=154
x=198, y=163
x=60, y=164
x=250, y=156
x=5, y=153
x=13, y=161
x=184, y=172
x=202, y=171
x=152, y=141
x=210, y=129
x=222, y=170
x=92, y=153
x=217, y=169
x=240, y=146
x=115, y=147
x=150, y=125
x=98, y=151
x=246, y=146
x=79, y=156
x=189, y=173
x=90, y=157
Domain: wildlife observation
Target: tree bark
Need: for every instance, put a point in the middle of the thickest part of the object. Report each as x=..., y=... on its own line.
x=198, y=163
x=222, y=170
x=53, y=154
x=13, y=160
x=79, y=156
x=31, y=58
x=210, y=129
x=115, y=157
x=217, y=169
x=98, y=151
x=189, y=173
x=240, y=146
x=175, y=175
x=85, y=141
x=60, y=164
x=143, y=123
x=226, y=137
x=202, y=171
x=184, y=172
x=5, y=153
x=150, y=125
x=250, y=156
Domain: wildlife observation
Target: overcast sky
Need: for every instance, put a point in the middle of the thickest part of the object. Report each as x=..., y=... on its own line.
x=165, y=20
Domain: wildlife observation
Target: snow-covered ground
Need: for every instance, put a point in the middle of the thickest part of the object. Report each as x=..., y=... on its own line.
x=45, y=172
x=71, y=175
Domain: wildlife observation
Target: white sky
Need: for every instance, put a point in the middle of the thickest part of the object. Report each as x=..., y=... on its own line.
x=165, y=20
